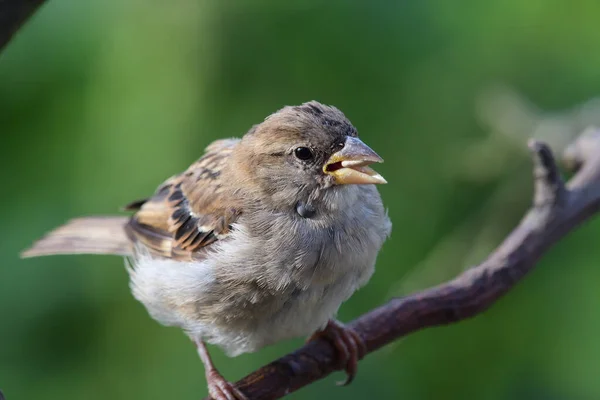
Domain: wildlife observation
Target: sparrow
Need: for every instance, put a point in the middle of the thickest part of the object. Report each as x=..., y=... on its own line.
x=260, y=240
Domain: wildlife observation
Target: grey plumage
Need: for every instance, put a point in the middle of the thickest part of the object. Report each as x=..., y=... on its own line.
x=278, y=275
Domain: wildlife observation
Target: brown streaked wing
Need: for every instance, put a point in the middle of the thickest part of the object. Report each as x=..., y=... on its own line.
x=187, y=214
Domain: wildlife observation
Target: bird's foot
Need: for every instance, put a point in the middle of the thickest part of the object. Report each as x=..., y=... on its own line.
x=349, y=345
x=220, y=389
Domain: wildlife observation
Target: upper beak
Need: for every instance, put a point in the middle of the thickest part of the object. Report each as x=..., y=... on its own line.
x=349, y=165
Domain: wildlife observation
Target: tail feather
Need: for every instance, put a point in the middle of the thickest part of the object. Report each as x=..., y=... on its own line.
x=86, y=235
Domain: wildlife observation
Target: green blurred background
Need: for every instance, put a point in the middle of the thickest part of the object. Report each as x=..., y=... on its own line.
x=102, y=100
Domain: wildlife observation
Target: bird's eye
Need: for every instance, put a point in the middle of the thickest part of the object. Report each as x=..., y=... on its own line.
x=303, y=153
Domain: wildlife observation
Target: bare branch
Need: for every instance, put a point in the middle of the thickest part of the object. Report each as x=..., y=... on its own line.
x=557, y=209
x=13, y=13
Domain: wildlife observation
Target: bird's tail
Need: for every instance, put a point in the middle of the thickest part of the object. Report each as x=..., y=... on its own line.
x=86, y=235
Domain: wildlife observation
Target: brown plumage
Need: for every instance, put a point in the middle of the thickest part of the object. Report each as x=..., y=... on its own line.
x=85, y=235
x=259, y=240
x=188, y=211
x=185, y=214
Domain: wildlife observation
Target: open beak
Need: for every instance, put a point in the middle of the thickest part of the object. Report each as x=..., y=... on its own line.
x=350, y=164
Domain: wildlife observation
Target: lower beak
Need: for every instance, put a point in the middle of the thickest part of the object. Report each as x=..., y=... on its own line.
x=350, y=164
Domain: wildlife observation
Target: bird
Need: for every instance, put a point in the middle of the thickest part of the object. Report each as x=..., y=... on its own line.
x=258, y=241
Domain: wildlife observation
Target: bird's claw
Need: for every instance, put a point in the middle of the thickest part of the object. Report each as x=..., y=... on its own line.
x=349, y=345
x=220, y=389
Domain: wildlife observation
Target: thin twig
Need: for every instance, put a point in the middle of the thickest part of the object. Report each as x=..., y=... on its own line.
x=13, y=14
x=556, y=210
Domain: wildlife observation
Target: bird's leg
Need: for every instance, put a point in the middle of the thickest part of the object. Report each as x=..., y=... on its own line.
x=349, y=345
x=218, y=387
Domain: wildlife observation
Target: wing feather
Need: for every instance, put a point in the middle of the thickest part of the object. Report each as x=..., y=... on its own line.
x=187, y=213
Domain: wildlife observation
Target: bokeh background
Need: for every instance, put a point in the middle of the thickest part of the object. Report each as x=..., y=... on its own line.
x=102, y=100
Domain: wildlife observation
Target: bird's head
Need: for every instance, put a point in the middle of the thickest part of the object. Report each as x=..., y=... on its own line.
x=302, y=150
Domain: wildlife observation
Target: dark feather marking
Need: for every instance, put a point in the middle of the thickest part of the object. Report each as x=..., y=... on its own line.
x=180, y=236
x=330, y=122
x=193, y=236
x=197, y=239
x=208, y=173
x=176, y=195
x=329, y=118
x=313, y=109
x=135, y=205
x=349, y=130
x=163, y=190
x=208, y=238
x=149, y=230
x=181, y=214
x=186, y=228
x=137, y=231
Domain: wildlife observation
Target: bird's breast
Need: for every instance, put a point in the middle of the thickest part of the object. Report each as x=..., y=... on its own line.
x=340, y=240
